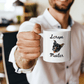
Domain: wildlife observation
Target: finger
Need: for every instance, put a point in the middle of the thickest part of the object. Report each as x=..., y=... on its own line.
x=37, y=28
x=30, y=56
x=28, y=43
x=28, y=35
x=29, y=49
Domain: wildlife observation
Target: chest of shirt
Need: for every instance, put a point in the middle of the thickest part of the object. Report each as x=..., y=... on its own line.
x=76, y=45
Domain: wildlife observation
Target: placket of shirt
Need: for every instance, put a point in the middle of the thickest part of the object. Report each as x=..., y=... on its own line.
x=67, y=67
x=67, y=72
x=67, y=64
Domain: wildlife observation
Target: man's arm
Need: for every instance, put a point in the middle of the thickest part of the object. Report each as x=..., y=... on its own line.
x=28, y=47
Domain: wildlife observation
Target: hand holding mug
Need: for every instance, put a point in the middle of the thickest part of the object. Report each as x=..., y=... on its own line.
x=29, y=43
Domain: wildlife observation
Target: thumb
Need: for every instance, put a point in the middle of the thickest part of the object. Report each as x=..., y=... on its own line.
x=37, y=28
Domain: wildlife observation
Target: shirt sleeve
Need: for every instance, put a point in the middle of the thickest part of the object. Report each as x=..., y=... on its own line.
x=26, y=26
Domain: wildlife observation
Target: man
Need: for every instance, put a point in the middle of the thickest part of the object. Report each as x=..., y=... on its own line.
x=28, y=47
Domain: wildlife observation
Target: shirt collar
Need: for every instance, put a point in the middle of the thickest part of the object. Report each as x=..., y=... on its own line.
x=71, y=22
x=52, y=21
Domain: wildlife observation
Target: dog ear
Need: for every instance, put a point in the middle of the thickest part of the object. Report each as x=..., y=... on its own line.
x=55, y=41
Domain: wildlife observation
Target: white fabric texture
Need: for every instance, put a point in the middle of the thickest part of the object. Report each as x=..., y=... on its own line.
x=55, y=73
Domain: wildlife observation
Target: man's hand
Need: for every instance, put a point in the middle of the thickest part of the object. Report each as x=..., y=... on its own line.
x=28, y=47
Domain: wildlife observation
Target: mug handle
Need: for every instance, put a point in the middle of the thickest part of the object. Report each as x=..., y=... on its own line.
x=41, y=44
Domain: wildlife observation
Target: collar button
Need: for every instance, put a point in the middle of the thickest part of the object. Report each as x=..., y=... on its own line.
x=67, y=83
x=67, y=67
x=59, y=27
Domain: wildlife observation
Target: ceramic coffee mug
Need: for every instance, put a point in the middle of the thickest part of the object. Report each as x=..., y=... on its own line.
x=56, y=45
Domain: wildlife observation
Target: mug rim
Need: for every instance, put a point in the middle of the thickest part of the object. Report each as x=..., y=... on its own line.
x=56, y=30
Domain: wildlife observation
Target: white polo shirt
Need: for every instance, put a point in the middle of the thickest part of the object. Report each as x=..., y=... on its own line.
x=54, y=73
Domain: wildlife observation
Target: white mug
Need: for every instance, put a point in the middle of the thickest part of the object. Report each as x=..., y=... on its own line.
x=56, y=45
